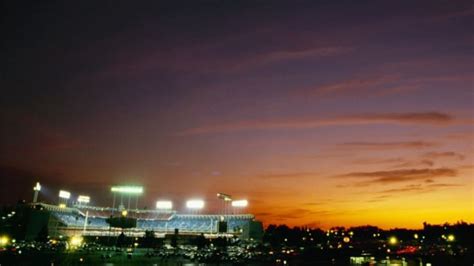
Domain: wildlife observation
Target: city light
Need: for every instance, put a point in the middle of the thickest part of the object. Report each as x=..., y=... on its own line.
x=127, y=189
x=346, y=239
x=124, y=213
x=83, y=199
x=451, y=238
x=164, y=205
x=392, y=240
x=4, y=240
x=62, y=205
x=240, y=203
x=76, y=241
x=195, y=204
x=37, y=187
x=64, y=194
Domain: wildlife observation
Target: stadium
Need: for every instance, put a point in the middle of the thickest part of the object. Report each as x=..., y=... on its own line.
x=72, y=217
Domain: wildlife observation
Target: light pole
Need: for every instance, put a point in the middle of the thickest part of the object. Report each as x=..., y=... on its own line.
x=64, y=195
x=36, y=189
x=126, y=190
x=226, y=198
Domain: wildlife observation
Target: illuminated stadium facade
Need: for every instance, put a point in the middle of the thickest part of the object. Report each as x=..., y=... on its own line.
x=83, y=219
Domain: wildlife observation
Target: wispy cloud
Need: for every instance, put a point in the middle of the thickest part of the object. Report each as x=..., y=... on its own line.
x=444, y=155
x=419, y=118
x=382, y=84
x=286, y=55
x=298, y=213
x=388, y=145
x=38, y=135
x=379, y=160
x=287, y=175
x=352, y=86
x=426, y=163
x=418, y=188
x=408, y=188
x=424, y=160
x=393, y=162
x=402, y=175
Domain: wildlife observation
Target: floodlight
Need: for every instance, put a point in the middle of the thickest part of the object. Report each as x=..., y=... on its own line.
x=37, y=187
x=62, y=205
x=240, y=203
x=64, y=194
x=83, y=199
x=225, y=197
x=164, y=205
x=195, y=204
x=128, y=189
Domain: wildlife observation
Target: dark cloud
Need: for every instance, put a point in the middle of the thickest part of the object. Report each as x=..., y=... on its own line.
x=388, y=145
x=403, y=175
x=288, y=175
x=378, y=198
x=416, y=163
x=419, y=188
x=444, y=155
x=298, y=213
x=410, y=118
x=409, y=188
x=379, y=161
x=26, y=133
x=422, y=118
x=443, y=185
x=396, y=162
x=351, y=86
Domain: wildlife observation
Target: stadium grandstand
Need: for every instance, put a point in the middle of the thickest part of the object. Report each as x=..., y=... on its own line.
x=83, y=219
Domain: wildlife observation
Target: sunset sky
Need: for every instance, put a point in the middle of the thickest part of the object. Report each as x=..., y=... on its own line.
x=319, y=113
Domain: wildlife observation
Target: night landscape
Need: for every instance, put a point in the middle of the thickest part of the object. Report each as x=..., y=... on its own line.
x=237, y=133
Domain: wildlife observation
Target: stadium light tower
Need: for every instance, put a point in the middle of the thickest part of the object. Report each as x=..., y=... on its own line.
x=64, y=197
x=164, y=205
x=195, y=204
x=36, y=189
x=240, y=203
x=226, y=198
x=129, y=191
x=83, y=200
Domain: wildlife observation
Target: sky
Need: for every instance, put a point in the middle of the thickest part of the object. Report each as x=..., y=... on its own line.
x=320, y=113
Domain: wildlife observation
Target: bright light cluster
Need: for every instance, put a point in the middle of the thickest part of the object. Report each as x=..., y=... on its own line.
x=4, y=240
x=83, y=199
x=64, y=194
x=37, y=187
x=195, y=204
x=392, y=240
x=76, y=241
x=128, y=189
x=451, y=238
x=240, y=203
x=164, y=205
